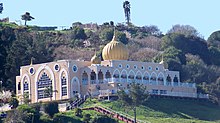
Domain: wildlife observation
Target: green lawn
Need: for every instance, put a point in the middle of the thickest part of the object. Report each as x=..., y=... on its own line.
x=157, y=110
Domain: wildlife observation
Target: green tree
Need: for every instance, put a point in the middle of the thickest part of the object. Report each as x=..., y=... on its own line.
x=78, y=112
x=86, y=118
x=186, y=30
x=193, y=45
x=26, y=98
x=15, y=116
x=78, y=33
x=122, y=37
x=136, y=96
x=33, y=113
x=214, y=53
x=214, y=39
x=51, y=108
x=107, y=34
x=26, y=17
x=13, y=102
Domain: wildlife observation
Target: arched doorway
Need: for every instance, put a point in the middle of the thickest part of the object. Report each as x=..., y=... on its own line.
x=85, y=78
x=75, y=86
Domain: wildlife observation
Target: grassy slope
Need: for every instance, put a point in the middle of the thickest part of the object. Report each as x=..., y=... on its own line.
x=172, y=110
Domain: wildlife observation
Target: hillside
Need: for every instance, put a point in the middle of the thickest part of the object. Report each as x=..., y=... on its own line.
x=182, y=49
x=170, y=110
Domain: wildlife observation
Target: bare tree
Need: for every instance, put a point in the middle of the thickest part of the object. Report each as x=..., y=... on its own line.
x=186, y=30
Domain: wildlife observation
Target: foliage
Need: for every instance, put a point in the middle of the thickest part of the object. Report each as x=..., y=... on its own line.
x=13, y=102
x=186, y=30
x=26, y=17
x=136, y=96
x=214, y=53
x=5, y=96
x=78, y=112
x=49, y=92
x=51, y=108
x=86, y=118
x=26, y=98
x=78, y=33
x=122, y=37
x=62, y=118
x=33, y=114
x=103, y=119
x=193, y=45
x=107, y=34
x=214, y=39
x=45, y=119
x=15, y=116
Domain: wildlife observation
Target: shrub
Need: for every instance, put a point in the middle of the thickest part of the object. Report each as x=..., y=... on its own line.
x=78, y=112
x=13, y=102
x=86, y=118
x=45, y=119
x=103, y=119
x=62, y=118
x=51, y=108
x=33, y=113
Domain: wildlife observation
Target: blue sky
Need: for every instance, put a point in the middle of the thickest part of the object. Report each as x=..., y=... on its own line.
x=201, y=14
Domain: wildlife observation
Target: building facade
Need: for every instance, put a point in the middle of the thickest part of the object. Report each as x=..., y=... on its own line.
x=99, y=78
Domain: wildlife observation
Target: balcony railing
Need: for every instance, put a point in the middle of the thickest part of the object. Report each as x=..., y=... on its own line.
x=149, y=82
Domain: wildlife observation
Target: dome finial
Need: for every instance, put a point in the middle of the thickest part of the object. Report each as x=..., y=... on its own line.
x=32, y=58
x=95, y=59
x=114, y=36
x=162, y=61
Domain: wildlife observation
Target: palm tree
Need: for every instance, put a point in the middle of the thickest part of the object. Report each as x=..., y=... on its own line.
x=127, y=6
x=26, y=17
x=1, y=7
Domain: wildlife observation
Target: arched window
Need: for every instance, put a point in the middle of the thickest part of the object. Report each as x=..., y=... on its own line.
x=93, y=77
x=108, y=76
x=100, y=77
x=175, y=79
x=85, y=78
x=160, y=79
x=64, y=86
x=153, y=79
x=168, y=80
x=26, y=87
x=43, y=83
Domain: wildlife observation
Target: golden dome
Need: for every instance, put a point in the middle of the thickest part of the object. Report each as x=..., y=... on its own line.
x=115, y=50
x=95, y=59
